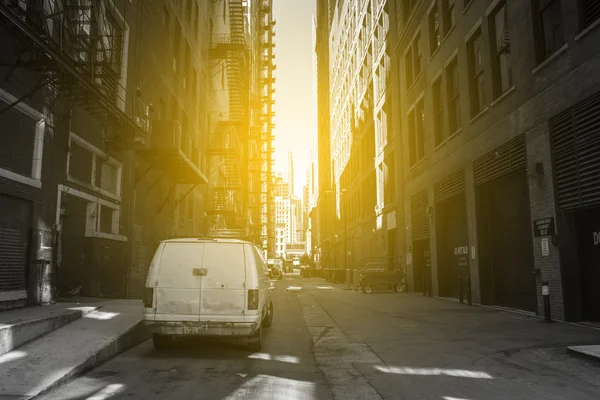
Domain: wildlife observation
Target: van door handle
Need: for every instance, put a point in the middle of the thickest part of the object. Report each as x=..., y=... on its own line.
x=199, y=272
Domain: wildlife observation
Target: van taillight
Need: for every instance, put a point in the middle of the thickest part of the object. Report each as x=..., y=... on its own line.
x=148, y=297
x=252, y=299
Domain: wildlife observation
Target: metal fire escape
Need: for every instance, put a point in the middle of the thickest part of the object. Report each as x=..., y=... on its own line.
x=262, y=140
x=229, y=196
x=265, y=144
x=77, y=47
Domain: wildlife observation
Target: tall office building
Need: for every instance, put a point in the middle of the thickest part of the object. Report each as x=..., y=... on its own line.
x=362, y=144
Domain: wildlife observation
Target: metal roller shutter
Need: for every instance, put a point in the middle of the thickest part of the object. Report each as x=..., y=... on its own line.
x=575, y=135
x=14, y=240
x=502, y=161
x=450, y=186
x=419, y=222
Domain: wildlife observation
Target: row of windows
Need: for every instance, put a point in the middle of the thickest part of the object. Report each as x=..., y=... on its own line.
x=549, y=38
x=351, y=73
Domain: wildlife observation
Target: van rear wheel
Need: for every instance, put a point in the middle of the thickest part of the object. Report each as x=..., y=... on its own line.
x=269, y=317
x=162, y=342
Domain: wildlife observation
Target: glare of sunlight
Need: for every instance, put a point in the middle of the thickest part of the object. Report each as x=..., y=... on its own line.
x=102, y=315
x=459, y=373
x=325, y=287
x=109, y=391
x=13, y=355
x=453, y=398
x=288, y=389
x=264, y=356
x=82, y=309
x=294, y=288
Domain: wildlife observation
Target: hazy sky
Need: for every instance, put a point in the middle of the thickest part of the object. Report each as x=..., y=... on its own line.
x=295, y=108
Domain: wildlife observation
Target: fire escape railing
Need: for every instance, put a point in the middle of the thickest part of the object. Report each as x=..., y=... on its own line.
x=78, y=46
x=227, y=205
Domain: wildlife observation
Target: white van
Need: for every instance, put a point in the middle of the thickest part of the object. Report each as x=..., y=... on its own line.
x=207, y=287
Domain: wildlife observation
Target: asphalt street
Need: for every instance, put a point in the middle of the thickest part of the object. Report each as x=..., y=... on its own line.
x=330, y=343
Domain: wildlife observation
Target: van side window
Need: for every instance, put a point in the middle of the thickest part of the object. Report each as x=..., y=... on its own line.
x=260, y=261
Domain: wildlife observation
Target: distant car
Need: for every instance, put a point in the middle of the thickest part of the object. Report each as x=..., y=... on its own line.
x=275, y=272
x=207, y=287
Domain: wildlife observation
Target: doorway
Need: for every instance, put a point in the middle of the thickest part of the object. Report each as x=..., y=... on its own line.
x=421, y=265
x=588, y=227
x=451, y=232
x=506, y=245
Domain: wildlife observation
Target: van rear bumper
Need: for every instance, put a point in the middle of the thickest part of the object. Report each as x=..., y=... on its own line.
x=192, y=328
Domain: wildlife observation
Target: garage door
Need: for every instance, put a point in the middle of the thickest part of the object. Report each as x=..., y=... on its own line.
x=15, y=220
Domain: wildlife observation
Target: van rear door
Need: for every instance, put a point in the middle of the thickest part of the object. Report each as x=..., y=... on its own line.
x=177, y=287
x=224, y=283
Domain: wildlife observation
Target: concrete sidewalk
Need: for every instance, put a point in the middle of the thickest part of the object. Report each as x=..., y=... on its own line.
x=437, y=349
x=51, y=360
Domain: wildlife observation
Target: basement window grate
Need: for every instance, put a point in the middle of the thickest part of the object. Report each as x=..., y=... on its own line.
x=500, y=162
x=450, y=186
x=418, y=209
x=575, y=135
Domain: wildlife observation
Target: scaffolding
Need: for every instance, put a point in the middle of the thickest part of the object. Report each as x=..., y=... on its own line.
x=77, y=47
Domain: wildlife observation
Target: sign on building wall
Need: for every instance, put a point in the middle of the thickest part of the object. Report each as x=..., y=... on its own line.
x=543, y=227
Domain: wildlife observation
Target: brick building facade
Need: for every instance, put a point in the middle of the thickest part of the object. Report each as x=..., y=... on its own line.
x=484, y=90
x=97, y=168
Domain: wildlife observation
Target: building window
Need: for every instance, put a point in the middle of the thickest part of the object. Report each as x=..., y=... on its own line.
x=453, y=92
x=590, y=12
x=389, y=190
x=435, y=39
x=476, y=72
x=449, y=15
x=90, y=167
x=413, y=61
x=22, y=135
x=501, y=60
x=438, y=110
x=549, y=28
x=416, y=133
x=417, y=55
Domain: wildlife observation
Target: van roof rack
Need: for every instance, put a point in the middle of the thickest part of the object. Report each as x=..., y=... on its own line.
x=242, y=234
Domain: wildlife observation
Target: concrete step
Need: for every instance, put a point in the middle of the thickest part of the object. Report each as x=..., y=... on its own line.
x=21, y=326
x=54, y=359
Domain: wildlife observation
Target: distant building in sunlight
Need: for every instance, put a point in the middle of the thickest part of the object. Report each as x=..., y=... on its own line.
x=285, y=214
x=322, y=216
x=361, y=140
x=289, y=172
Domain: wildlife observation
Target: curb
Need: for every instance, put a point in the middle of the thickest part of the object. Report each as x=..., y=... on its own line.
x=583, y=355
x=132, y=337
